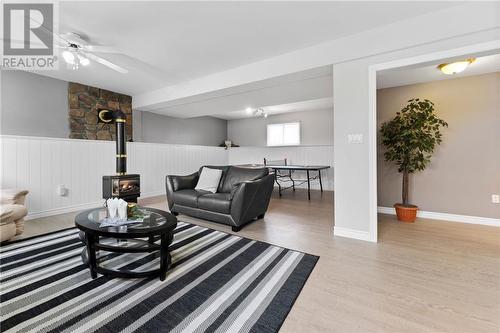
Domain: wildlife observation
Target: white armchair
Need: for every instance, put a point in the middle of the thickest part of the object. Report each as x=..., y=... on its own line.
x=12, y=213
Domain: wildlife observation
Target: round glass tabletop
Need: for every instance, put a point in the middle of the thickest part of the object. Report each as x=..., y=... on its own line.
x=154, y=221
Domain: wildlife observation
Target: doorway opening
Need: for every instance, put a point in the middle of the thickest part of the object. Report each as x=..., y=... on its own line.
x=466, y=101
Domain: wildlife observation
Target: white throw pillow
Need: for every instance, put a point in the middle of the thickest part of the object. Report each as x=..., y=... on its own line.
x=209, y=180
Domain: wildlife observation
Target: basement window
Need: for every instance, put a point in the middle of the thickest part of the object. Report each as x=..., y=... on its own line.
x=287, y=134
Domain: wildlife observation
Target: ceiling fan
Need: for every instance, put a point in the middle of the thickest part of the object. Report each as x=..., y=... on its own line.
x=77, y=52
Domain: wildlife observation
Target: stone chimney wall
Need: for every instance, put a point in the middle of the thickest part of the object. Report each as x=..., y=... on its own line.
x=83, y=104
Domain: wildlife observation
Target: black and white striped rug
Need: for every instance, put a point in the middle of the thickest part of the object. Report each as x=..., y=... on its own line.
x=218, y=283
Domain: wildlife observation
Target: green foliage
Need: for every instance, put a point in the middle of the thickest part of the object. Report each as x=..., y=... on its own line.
x=410, y=138
x=134, y=213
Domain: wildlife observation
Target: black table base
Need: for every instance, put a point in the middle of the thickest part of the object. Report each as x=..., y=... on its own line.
x=92, y=246
x=153, y=234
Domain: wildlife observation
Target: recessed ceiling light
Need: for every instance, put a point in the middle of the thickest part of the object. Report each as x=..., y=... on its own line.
x=455, y=67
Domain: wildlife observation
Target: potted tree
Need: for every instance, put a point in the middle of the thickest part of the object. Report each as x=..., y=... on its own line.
x=409, y=140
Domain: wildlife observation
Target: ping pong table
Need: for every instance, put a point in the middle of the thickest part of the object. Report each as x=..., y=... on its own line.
x=307, y=168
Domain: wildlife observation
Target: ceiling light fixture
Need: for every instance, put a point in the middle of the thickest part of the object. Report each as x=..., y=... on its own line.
x=83, y=61
x=74, y=59
x=455, y=67
x=68, y=57
x=257, y=112
x=260, y=113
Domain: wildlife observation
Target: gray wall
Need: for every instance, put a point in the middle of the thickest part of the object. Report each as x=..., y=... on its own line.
x=465, y=168
x=152, y=127
x=36, y=105
x=316, y=128
x=33, y=105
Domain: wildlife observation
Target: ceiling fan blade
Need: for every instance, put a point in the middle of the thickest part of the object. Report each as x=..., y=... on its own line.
x=18, y=42
x=105, y=62
x=57, y=37
x=100, y=49
x=59, y=41
x=32, y=43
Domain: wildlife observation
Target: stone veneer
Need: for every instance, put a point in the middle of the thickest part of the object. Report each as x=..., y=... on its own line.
x=83, y=104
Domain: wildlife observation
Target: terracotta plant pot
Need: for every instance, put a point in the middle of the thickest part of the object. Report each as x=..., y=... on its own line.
x=407, y=213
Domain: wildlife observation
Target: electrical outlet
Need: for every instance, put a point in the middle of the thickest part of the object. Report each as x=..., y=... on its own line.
x=495, y=198
x=62, y=190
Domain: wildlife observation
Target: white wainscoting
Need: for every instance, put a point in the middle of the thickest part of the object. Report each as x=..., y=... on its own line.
x=41, y=164
x=303, y=155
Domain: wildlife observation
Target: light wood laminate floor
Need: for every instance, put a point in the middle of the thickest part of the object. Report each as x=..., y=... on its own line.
x=430, y=276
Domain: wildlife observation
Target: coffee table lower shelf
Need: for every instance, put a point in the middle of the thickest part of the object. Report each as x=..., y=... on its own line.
x=93, y=245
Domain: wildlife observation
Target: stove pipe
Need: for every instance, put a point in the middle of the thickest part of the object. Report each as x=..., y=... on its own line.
x=119, y=119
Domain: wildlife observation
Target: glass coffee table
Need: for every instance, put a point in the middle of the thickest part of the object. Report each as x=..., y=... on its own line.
x=127, y=239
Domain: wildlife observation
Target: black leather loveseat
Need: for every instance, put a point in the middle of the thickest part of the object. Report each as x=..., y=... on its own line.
x=243, y=195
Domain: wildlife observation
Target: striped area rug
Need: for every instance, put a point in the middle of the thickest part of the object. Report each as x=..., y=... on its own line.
x=218, y=283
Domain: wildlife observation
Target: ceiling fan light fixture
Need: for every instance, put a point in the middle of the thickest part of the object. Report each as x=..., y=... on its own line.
x=69, y=57
x=455, y=67
x=83, y=61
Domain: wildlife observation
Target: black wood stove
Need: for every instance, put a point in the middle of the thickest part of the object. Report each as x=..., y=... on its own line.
x=121, y=185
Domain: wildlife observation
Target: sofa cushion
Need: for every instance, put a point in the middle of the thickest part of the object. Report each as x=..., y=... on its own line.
x=188, y=197
x=6, y=212
x=7, y=231
x=209, y=180
x=19, y=211
x=236, y=175
x=224, y=169
x=215, y=202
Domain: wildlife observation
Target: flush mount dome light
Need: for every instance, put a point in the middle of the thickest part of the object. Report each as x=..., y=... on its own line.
x=455, y=67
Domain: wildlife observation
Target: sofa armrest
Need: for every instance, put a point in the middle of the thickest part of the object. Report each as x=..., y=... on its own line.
x=12, y=196
x=177, y=183
x=251, y=199
x=183, y=182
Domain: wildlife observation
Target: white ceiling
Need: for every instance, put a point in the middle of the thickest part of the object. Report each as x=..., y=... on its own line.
x=318, y=82
x=165, y=43
x=428, y=72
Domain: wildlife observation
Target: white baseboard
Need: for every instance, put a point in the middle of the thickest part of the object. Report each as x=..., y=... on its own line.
x=63, y=210
x=352, y=233
x=74, y=208
x=447, y=217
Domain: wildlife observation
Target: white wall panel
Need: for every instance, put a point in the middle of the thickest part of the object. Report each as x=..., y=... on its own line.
x=302, y=155
x=41, y=164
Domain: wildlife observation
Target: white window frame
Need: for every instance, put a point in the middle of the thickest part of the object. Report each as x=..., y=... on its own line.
x=282, y=143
